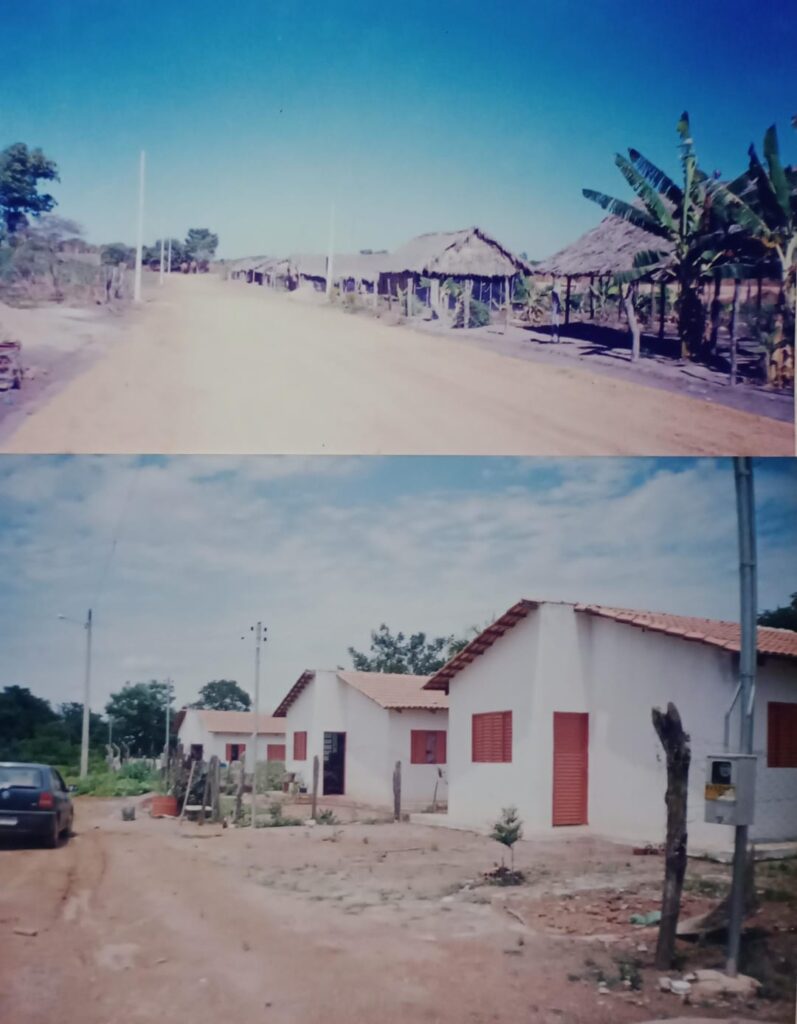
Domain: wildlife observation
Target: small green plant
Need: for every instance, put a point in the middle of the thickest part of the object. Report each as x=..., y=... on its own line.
x=276, y=818
x=326, y=817
x=507, y=830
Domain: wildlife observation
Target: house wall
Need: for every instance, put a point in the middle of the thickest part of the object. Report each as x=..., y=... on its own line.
x=193, y=731
x=375, y=740
x=559, y=660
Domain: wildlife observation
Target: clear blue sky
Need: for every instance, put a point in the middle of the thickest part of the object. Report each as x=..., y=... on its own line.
x=177, y=557
x=411, y=117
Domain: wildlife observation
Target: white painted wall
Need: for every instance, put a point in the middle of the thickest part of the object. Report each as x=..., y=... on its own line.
x=558, y=660
x=192, y=730
x=375, y=740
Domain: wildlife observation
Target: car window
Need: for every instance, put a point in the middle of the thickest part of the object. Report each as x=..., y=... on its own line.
x=58, y=780
x=19, y=775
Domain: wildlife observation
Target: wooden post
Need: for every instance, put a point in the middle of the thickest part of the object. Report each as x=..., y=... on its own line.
x=188, y=789
x=375, y=294
x=508, y=286
x=466, y=304
x=662, y=307
x=758, y=294
x=239, y=793
x=315, y=788
x=591, y=297
x=676, y=747
x=205, y=796
x=628, y=304
x=737, y=285
x=410, y=293
x=567, y=300
x=715, y=314
x=215, y=789
x=397, y=792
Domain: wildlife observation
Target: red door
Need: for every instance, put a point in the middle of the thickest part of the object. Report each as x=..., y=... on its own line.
x=570, y=768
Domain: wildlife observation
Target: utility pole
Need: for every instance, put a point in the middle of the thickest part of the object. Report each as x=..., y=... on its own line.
x=84, y=740
x=140, y=229
x=168, y=709
x=745, y=509
x=169, y=259
x=331, y=251
x=259, y=631
x=160, y=276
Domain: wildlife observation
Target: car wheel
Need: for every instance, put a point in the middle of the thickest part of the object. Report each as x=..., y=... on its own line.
x=52, y=838
x=69, y=828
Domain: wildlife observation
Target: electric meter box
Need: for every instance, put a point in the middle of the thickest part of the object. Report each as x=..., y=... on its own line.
x=730, y=789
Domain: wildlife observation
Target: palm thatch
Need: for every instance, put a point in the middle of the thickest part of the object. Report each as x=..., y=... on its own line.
x=609, y=248
x=345, y=266
x=470, y=252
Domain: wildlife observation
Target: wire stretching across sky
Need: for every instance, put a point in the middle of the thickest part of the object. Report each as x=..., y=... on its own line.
x=116, y=534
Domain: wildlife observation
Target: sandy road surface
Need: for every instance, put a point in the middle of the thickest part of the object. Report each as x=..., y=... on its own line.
x=219, y=367
x=135, y=922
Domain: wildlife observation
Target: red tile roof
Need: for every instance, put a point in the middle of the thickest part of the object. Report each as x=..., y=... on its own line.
x=393, y=691
x=780, y=643
x=239, y=722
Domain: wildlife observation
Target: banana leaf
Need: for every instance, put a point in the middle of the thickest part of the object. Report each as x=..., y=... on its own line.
x=625, y=211
x=655, y=205
x=656, y=177
x=776, y=174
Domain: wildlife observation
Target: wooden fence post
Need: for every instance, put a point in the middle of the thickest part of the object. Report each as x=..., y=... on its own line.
x=676, y=747
x=662, y=307
x=205, y=795
x=410, y=293
x=466, y=304
x=737, y=286
x=315, y=787
x=508, y=284
x=239, y=794
x=397, y=792
x=215, y=789
x=567, y=300
x=633, y=323
x=188, y=790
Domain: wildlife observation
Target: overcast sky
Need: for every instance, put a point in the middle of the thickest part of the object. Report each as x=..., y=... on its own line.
x=178, y=557
x=413, y=117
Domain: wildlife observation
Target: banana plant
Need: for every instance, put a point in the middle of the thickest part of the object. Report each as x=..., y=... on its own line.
x=699, y=238
x=762, y=203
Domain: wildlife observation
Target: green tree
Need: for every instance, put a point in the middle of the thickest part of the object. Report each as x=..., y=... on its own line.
x=701, y=241
x=38, y=251
x=21, y=715
x=223, y=695
x=507, y=830
x=114, y=253
x=783, y=617
x=138, y=711
x=406, y=655
x=200, y=246
x=21, y=170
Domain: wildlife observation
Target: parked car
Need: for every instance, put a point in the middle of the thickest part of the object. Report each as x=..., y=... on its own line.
x=34, y=800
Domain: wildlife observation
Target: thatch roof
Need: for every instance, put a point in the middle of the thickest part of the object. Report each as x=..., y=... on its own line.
x=470, y=252
x=608, y=248
x=359, y=266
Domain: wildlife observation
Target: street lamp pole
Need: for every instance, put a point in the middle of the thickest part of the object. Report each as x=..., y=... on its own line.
x=258, y=639
x=84, y=741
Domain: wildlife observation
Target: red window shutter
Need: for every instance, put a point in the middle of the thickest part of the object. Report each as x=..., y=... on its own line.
x=275, y=752
x=781, y=735
x=418, y=746
x=300, y=746
x=492, y=737
x=441, y=747
x=228, y=753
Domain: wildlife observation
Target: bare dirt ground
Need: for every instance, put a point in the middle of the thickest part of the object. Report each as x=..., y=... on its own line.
x=208, y=366
x=142, y=922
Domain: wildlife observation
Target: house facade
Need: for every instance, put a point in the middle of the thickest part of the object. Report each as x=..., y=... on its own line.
x=228, y=734
x=359, y=724
x=550, y=710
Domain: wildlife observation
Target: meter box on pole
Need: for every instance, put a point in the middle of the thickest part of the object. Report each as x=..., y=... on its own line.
x=730, y=789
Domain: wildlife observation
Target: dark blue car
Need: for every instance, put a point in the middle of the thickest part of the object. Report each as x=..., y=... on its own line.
x=34, y=801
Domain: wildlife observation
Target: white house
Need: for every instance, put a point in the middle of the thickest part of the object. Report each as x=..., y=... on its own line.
x=360, y=724
x=228, y=734
x=550, y=710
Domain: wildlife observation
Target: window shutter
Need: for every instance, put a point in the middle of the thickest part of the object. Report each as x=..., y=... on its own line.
x=781, y=735
x=441, y=747
x=300, y=746
x=492, y=737
x=418, y=746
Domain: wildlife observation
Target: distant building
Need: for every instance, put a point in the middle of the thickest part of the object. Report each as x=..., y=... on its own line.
x=228, y=734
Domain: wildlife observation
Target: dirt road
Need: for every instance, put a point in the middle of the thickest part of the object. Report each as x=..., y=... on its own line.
x=209, y=366
x=135, y=922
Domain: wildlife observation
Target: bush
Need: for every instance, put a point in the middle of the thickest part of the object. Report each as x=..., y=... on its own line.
x=130, y=780
x=270, y=775
x=478, y=315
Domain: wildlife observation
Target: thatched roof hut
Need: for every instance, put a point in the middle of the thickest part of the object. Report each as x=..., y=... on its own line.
x=607, y=249
x=345, y=266
x=470, y=253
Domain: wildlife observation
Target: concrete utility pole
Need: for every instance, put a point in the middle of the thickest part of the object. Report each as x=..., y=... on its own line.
x=168, y=710
x=84, y=739
x=160, y=276
x=140, y=229
x=745, y=510
x=169, y=259
x=331, y=251
x=258, y=638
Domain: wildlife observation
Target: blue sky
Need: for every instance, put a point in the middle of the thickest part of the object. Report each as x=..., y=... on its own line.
x=179, y=556
x=257, y=116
